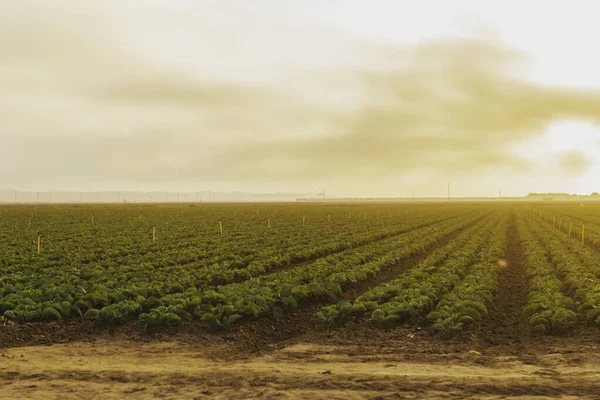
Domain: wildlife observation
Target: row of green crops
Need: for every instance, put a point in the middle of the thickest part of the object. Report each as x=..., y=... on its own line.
x=111, y=272
x=191, y=236
x=573, y=220
x=186, y=244
x=450, y=287
x=570, y=288
x=466, y=302
x=548, y=309
x=326, y=278
x=95, y=272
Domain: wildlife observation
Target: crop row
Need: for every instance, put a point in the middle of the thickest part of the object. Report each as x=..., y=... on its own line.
x=48, y=292
x=101, y=286
x=573, y=288
x=326, y=278
x=450, y=286
x=548, y=309
x=259, y=253
x=573, y=222
x=168, y=294
x=196, y=234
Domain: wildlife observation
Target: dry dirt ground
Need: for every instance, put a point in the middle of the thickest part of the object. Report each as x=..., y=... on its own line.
x=353, y=363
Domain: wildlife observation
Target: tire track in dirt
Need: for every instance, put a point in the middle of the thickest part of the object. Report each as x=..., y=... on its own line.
x=505, y=326
x=244, y=384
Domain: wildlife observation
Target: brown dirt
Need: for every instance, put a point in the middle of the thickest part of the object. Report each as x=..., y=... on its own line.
x=112, y=369
x=505, y=328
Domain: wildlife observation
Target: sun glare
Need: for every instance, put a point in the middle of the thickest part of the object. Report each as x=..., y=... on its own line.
x=568, y=148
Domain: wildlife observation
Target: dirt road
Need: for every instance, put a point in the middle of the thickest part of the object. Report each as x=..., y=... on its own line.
x=112, y=369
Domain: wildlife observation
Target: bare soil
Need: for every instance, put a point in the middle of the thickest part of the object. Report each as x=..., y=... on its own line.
x=114, y=369
x=505, y=327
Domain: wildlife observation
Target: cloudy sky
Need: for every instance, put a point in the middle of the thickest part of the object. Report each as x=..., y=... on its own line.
x=361, y=98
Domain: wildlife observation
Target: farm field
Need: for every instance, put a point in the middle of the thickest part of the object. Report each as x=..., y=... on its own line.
x=445, y=300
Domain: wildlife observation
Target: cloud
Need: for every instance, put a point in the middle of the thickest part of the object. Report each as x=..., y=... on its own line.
x=448, y=105
x=170, y=89
x=79, y=105
x=574, y=162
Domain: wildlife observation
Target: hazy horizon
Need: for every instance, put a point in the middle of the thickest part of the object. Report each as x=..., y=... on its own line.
x=135, y=197
x=363, y=99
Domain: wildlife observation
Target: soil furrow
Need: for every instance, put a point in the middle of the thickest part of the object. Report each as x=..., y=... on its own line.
x=505, y=327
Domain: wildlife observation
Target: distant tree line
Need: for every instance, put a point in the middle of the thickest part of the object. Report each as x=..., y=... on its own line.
x=595, y=194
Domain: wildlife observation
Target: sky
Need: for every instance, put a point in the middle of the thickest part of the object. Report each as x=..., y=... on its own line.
x=378, y=98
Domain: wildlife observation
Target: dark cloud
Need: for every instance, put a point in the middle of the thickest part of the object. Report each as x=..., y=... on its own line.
x=448, y=105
